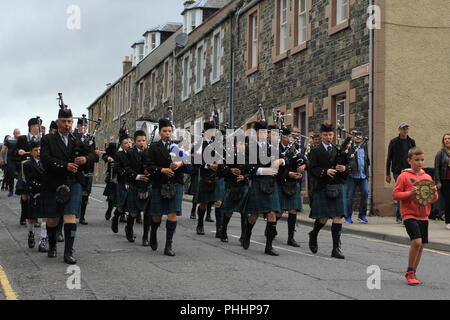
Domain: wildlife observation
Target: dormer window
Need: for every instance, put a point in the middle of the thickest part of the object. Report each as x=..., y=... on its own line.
x=193, y=21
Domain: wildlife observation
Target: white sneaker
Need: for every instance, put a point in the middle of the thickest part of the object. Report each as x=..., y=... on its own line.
x=447, y=226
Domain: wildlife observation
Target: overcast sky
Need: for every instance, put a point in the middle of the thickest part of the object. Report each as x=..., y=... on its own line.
x=40, y=56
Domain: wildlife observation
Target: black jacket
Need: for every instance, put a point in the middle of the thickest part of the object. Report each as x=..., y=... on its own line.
x=133, y=165
x=396, y=159
x=157, y=158
x=120, y=166
x=22, y=144
x=320, y=161
x=55, y=156
x=34, y=176
x=441, y=163
x=89, y=142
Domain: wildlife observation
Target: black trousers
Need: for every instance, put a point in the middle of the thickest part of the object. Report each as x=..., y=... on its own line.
x=12, y=171
x=445, y=192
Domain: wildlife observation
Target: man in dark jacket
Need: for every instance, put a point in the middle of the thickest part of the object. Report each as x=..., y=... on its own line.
x=397, y=158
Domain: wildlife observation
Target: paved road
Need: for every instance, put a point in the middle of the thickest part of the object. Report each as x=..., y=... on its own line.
x=205, y=268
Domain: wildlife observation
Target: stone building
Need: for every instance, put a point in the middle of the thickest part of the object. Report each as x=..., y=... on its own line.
x=314, y=60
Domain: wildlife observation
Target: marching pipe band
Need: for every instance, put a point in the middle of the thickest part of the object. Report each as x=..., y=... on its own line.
x=148, y=177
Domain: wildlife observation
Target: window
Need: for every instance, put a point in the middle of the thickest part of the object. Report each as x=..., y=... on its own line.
x=341, y=11
x=338, y=14
x=186, y=78
x=216, y=56
x=199, y=81
x=141, y=52
x=166, y=88
x=153, y=100
x=253, y=40
x=141, y=98
x=283, y=26
x=302, y=21
x=193, y=20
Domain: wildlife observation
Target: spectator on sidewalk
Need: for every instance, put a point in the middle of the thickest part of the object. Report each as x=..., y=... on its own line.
x=397, y=158
x=415, y=215
x=358, y=162
x=442, y=175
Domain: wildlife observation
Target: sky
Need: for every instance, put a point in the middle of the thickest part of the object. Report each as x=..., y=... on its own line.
x=41, y=56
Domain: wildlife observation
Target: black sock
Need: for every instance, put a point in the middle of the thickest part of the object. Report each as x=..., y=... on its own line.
x=154, y=229
x=201, y=216
x=292, y=220
x=271, y=231
x=24, y=205
x=317, y=226
x=51, y=234
x=84, y=203
x=336, y=234
x=410, y=269
x=130, y=222
x=194, y=207
x=219, y=217
x=60, y=225
x=243, y=224
x=249, y=228
x=226, y=221
x=70, y=230
x=171, y=226
x=110, y=206
x=208, y=209
x=116, y=213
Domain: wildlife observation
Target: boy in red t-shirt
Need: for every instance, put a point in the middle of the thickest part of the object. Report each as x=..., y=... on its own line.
x=414, y=215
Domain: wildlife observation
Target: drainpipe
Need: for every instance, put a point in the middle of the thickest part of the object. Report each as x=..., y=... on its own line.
x=371, y=124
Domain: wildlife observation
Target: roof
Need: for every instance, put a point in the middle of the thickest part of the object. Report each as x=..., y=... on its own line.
x=165, y=27
x=137, y=42
x=206, y=4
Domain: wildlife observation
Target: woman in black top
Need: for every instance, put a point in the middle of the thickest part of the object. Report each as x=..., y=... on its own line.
x=442, y=175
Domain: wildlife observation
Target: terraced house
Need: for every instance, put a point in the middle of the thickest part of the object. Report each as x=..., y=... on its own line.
x=314, y=60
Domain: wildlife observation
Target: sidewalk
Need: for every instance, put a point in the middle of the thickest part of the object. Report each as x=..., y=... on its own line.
x=383, y=228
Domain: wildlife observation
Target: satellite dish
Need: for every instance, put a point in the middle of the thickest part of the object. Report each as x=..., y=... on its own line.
x=181, y=40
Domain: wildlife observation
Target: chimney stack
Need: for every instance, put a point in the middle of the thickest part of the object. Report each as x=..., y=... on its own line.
x=127, y=64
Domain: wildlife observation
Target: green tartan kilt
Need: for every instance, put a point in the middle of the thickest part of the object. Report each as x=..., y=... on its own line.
x=133, y=203
x=230, y=206
x=193, y=186
x=329, y=208
x=203, y=196
x=159, y=206
x=291, y=203
x=35, y=207
x=110, y=192
x=49, y=208
x=121, y=195
x=257, y=202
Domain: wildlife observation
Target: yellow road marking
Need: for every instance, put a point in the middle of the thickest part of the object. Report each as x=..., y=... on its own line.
x=7, y=290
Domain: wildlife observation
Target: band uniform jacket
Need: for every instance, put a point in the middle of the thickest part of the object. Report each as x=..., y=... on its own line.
x=34, y=176
x=132, y=165
x=86, y=139
x=55, y=156
x=157, y=158
x=320, y=161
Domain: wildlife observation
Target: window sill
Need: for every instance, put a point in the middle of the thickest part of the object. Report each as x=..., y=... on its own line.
x=214, y=81
x=251, y=71
x=198, y=90
x=339, y=27
x=184, y=98
x=165, y=100
x=280, y=57
x=299, y=48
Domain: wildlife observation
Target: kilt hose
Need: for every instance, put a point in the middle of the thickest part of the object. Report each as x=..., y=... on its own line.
x=329, y=208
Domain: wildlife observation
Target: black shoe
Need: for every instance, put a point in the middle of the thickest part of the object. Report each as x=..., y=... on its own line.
x=224, y=236
x=293, y=243
x=43, y=245
x=169, y=252
x=23, y=222
x=10, y=194
x=122, y=218
x=208, y=219
x=193, y=216
x=154, y=242
x=241, y=240
x=129, y=234
x=115, y=224
x=59, y=237
x=271, y=252
x=145, y=242
x=246, y=243
x=69, y=259
x=337, y=253
x=52, y=253
x=313, y=243
x=200, y=231
x=83, y=222
x=31, y=241
x=139, y=219
x=108, y=215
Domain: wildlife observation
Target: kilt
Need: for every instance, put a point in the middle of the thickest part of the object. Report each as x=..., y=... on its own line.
x=51, y=209
x=35, y=207
x=193, y=186
x=257, y=202
x=21, y=186
x=159, y=206
x=291, y=203
x=88, y=183
x=121, y=195
x=329, y=208
x=230, y=206
x=203, y=196
x=133, y=203
x=110, y=192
